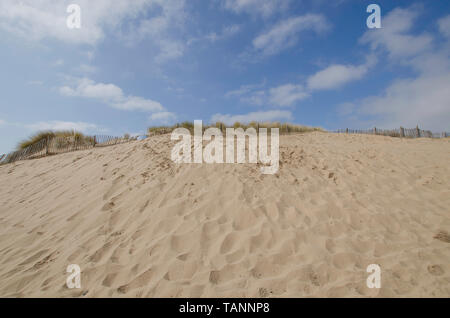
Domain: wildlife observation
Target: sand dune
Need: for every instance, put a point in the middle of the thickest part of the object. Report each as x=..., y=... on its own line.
x=141, y=226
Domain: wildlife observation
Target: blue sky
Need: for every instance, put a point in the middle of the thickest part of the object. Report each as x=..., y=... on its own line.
x=139, y=63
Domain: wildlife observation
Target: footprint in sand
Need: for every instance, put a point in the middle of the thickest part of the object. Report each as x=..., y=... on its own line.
x=435, y=270
x=139, y=282
x=442, y=236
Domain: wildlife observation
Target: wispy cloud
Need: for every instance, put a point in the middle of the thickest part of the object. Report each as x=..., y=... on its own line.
x=422, y=99
x=90, y=89
x=337, y=75
x=163, y=117
x=138, y=103
x=164, y=28
x=80, y=126
x=65, y=125
x=280, y=96
x=394, y=36
x=212, y=37
x=46, y=19
x=444, y=25
x=110, y=94
x=245, y=89
x=264, y=8
x=287, y=95
x=285, y=34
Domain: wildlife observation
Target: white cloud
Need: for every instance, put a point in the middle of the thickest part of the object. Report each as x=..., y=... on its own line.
x=230, y=30
x=80, y=126
x=64, y=125
x=169, y=50
x=46, y=19
x=287, y=95
x=160, y=29
x=89, y=89
x=393, y=35
x=444, y=25
x=212, y=37
x=421, y=99
x=253, y=94
x=262, y=7
x=337, y=75
x=226, y=32
x=258, y=98
x=282, y=96
x=285, y=34
x=163, y=117
x=244, y=89
x=138, y=103
x=262, y=116
x=111, y=95
x=408, y=102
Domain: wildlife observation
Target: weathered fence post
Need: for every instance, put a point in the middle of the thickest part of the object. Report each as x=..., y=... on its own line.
x=47, y=145
x=402, y=132
x=346, y=131
x=257, y=128
x=418, y=131
x=95, y=141
x=375, y=130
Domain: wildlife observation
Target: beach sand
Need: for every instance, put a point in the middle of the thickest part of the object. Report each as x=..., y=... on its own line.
x=139, y=225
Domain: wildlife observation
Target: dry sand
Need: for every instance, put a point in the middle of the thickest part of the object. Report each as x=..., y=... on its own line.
x=140, y=225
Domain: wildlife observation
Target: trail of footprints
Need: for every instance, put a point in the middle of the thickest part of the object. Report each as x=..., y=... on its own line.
x=290, y=236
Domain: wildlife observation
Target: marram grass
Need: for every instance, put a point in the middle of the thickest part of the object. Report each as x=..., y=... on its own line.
x=283, y=127
x=52, y=134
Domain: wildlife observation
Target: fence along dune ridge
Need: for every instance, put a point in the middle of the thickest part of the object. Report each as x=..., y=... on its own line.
x=58, y=145
x=400, y=133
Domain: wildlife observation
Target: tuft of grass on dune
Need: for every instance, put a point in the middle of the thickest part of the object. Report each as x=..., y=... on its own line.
x=77, y=136
x=285, y=128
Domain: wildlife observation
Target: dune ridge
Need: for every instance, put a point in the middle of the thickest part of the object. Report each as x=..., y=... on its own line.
x=139, y=225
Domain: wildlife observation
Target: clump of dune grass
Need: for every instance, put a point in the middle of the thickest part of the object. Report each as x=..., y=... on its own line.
x=285, y=128
x=160, y=130
x=44, y=135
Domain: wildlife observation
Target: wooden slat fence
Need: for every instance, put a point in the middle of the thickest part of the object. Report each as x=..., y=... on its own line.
x=103, y=141
x=34, y=151
x=401, y=132
x=58, y=145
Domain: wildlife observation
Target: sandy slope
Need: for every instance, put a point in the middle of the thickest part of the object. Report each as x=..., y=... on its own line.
x=139, y=225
